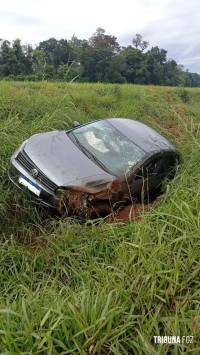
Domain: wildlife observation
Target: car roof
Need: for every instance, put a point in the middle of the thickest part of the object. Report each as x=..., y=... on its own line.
x=141, y=134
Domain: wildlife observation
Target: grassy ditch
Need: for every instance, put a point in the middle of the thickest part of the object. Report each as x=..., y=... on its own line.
x=67, y=288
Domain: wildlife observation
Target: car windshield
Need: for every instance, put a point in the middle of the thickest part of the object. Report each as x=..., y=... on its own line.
x=110, y=147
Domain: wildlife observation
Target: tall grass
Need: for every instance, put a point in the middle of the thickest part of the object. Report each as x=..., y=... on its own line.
x=67, y=288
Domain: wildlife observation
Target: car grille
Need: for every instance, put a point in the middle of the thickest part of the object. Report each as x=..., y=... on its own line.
x=28, y=165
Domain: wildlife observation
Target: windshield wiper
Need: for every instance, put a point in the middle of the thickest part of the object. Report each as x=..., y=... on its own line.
x=89, y=154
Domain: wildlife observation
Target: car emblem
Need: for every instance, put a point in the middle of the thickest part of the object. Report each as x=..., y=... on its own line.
x=34, y=173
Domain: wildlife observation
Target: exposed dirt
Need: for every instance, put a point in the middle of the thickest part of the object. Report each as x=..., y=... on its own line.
x=127, y=213
x=132, y=212
x=102, y=208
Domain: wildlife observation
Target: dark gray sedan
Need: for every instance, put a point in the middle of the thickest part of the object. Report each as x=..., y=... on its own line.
x=94, y=168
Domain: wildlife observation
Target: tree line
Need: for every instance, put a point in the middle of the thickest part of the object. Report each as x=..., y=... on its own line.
x=98, y=59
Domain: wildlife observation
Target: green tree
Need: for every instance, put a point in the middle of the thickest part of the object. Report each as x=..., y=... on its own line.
x=76, y=49
x=136, y=68
x=174, y=74
x=117, y=70
x=22, y=61
x=6, y=59
x=15, y=59
x=101, y=41
x=156, y=59
x=39, y=62
x=57, y=51
x=102, y=48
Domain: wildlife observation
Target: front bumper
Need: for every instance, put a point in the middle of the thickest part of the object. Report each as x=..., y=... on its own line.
x=46, y=196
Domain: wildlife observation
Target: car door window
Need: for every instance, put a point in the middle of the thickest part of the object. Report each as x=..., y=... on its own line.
x=150, y=170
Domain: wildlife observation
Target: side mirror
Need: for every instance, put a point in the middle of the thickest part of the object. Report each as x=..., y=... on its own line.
x=76, y=124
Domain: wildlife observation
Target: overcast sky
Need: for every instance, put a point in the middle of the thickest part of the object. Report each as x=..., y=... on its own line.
x=169, y=24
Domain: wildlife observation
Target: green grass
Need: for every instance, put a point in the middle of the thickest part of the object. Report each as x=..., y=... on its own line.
x=100, y=288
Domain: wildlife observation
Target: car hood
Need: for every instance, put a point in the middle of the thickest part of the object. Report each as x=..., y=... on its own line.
x=63, y=162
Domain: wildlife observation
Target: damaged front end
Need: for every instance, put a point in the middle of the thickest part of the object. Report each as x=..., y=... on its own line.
x=89, y=198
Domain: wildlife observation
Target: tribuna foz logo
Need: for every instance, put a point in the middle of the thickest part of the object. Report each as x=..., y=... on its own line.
x=173, y=339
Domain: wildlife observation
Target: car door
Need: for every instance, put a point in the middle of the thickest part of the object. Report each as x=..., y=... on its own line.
x=148, y=178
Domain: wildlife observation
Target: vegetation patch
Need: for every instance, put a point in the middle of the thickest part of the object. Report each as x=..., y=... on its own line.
x=100, y=288
x=98, y=59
